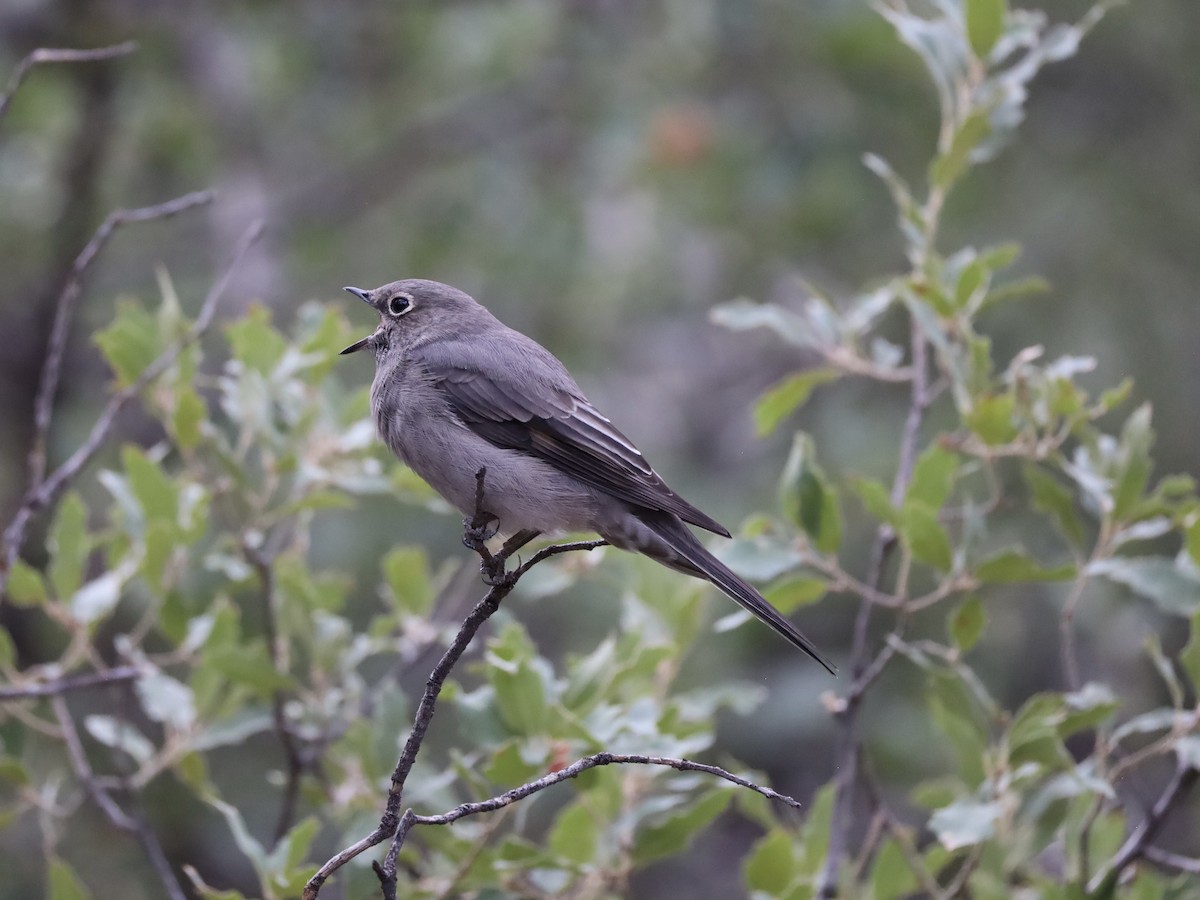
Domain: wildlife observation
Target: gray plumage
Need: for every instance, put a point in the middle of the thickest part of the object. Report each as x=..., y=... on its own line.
x=456, y=390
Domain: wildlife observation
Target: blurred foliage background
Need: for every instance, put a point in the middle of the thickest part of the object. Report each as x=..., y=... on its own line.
x=601, y=173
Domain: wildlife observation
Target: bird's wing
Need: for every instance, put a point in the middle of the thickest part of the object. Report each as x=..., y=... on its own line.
x=530, y=403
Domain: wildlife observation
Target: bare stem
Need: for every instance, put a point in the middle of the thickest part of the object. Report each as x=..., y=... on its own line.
x=69, y=683
x=1136, y=845
x=43, y=495
x=863, y=673
x=65, y=309
x=297, y=763
x=99, y=795
x=52, y=55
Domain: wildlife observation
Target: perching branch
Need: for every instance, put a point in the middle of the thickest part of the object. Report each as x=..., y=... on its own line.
x=69, y=683
x=43, y=495
x=395, y=825
x=50, y=55
x=500, y=588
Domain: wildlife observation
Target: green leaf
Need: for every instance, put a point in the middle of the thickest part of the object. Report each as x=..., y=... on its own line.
x=25, y=585
x=761, y=558
x=789, y=394
x=948, y=167
x=98, y=597
x=985, y=23
x=254, y=342
x=520, y=691
x=1055, y=499
x=743, y=315
x=791, y=593
x=957, y=714
x=161, y=540
x=130, y=343
x=290, y=852
x=1114, y=397
x=8, y=651
x=1137, y=437
x=62, y=883
x=166, y=700
x=1189, y=656
x=1165, y=669
x=120, y=735
x=248, y=664
x=1015, y=290
x=190, y=412
x=876, y=500
x=933, y=477
x=155, y=493
x=973, y=276
x=966, y=624
x=1010, y=566
x=575, y=834
x=1001, y=256
x=966, y=823
x=991, y=418
x=770, y=866
x=925, y=536
x=1087, y=708
x=69, y=546
x=509, y=766
x=891, y=877
x=1173, y=588
x=407, y=572
x=808, y=498
x=673, y=835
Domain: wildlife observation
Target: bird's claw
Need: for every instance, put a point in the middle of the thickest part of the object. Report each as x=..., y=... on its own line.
x=479, y=530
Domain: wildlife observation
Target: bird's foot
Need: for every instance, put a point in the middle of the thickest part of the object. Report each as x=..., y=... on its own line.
x=479, y=530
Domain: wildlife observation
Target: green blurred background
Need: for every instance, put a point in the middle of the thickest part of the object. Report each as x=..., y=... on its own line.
x=600, y=173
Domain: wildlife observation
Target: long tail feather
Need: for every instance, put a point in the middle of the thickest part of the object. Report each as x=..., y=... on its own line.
x=689, y=555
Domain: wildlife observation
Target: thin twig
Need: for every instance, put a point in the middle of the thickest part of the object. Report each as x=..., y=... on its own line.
x=42, y=496
x=502, y=585
x=43, y=407
x=433, y=686
x=1172, y=862
x=53, y=55
x=590, y=762
x=120, y=819
x=69, y=683
x=297, y=763
x=846, y=753
x=576, y=768
x=1105, y=882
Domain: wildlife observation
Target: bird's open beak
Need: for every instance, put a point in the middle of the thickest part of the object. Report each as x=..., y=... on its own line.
x=365, y=297
x=357, y=345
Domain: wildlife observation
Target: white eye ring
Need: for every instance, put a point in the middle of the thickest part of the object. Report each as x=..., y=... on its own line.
x=399, y=304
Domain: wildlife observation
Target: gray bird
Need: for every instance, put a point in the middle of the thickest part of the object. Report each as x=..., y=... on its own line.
x=456, y=390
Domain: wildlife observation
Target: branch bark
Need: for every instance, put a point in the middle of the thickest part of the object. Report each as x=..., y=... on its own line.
x=864, y=673
x=52, y=55
x=69, y=683
x=43, y=495
x=1136, y=845
x=65, y=309
x=99, y=795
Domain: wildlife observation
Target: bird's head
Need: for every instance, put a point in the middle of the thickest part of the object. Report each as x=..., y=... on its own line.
x=411, y=309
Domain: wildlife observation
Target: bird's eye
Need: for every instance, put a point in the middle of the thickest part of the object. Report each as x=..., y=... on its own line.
x=400, y=304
